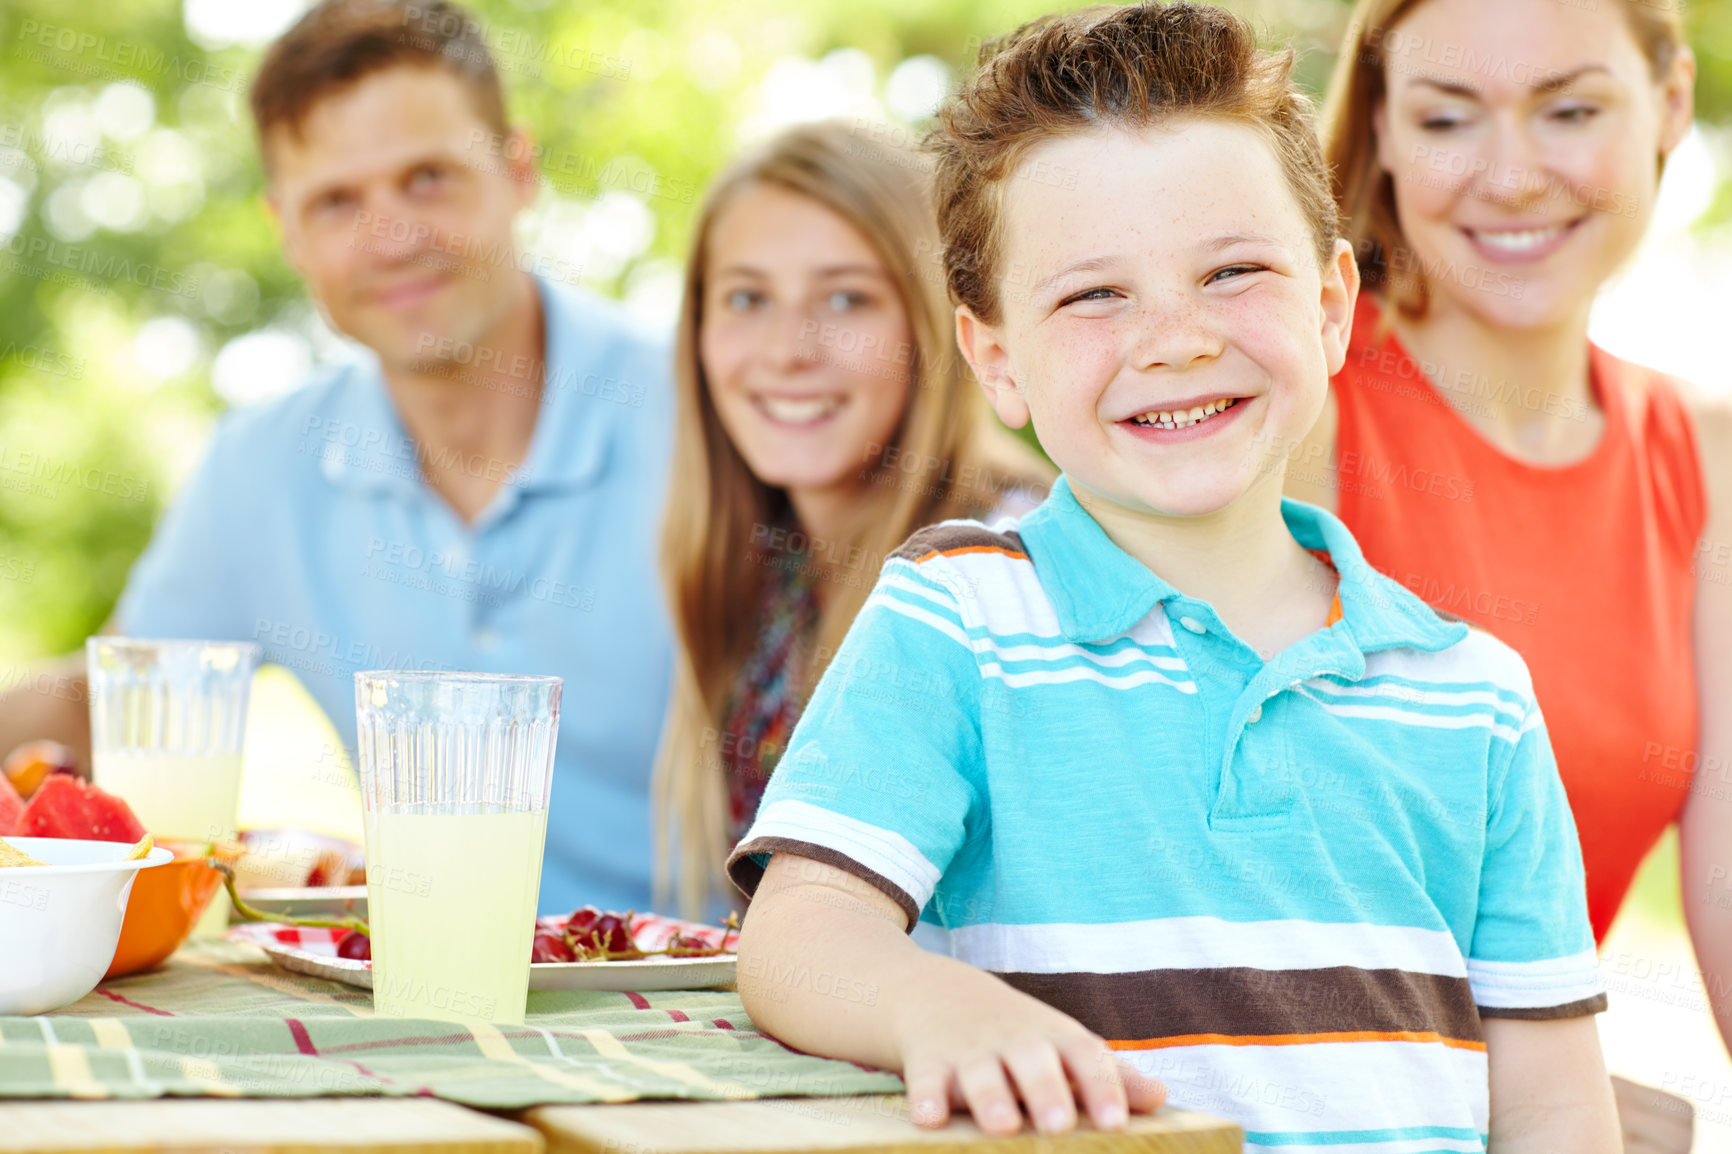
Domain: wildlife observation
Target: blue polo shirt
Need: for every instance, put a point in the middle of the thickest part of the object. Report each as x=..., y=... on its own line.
x=1291, y=889
x=308, y=529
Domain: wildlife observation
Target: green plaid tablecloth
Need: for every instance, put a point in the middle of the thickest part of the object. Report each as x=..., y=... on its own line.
x=221, y=1020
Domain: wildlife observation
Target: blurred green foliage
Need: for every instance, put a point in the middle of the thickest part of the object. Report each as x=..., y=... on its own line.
x=136, y=244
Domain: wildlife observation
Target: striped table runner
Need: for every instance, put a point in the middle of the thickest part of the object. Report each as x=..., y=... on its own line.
x=220, y=1020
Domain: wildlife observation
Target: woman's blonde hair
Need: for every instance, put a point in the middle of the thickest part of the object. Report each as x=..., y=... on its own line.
x=1363, y=190
x=946, y=458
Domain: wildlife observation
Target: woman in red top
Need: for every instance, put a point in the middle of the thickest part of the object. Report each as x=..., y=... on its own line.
x=1495, y=162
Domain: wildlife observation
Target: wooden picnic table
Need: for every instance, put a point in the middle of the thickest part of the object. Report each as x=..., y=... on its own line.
x=397, y=1126
x=147, y=1013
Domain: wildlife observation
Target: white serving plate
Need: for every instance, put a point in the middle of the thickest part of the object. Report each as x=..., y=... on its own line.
x=309, y=902
x=646, y=974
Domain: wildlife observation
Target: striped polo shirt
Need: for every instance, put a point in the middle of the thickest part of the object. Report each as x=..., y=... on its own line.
x=1290, y=889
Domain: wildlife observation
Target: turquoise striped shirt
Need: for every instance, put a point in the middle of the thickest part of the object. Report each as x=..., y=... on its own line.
x=1291, y=889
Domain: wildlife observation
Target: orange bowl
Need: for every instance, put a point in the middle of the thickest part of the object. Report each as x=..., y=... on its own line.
x=166, y=903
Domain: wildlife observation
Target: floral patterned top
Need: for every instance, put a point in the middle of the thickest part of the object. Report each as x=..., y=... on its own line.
x=765, y=701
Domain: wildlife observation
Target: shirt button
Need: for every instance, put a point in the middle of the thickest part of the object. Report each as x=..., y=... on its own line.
x=1256, y=714
x=486, y=639
x=1192, y=624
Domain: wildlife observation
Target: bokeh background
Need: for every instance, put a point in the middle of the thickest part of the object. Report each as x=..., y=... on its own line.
x=142, y=292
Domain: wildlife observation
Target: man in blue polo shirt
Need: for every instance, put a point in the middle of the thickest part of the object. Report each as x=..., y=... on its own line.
x=483, y=491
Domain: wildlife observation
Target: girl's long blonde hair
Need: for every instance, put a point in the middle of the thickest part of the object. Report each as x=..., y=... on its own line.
x=947, y=458
x=1363, y=190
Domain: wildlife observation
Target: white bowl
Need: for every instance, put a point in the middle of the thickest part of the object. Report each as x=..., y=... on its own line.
x=60, y=922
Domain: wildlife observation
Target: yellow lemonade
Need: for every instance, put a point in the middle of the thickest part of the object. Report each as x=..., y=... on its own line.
x=451, y=903
x=188, y=796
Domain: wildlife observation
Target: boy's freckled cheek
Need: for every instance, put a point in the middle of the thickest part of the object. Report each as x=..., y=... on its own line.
x=1079, y=367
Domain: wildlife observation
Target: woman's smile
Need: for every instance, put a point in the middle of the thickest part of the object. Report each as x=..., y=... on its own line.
x=1520, y=245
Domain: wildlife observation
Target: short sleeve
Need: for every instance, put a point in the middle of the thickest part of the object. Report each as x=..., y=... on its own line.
x=183, y=585
x=878, y=778
x=1532, y=954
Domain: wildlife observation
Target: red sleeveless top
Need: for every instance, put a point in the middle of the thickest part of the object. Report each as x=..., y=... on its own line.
x=1584, y=569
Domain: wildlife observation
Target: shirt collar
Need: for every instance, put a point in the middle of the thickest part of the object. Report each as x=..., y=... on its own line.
x=1099, y=591
x=579, y=414
x=362, y=444
x=582, y=404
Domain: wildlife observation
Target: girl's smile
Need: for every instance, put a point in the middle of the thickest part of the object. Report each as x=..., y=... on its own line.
x=794, y=293
x=798, y=411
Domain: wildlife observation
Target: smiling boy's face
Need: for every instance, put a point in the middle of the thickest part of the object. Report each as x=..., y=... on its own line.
x=1167, y=328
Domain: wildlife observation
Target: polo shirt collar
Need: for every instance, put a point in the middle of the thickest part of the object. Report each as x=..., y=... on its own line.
x=1379, y=611
x=573, y=429
x=1099, y=591
x=369, y=451
x=576, y=424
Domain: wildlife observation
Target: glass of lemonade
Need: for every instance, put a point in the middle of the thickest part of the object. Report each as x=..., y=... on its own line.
x=455, y=774
x=167, y=723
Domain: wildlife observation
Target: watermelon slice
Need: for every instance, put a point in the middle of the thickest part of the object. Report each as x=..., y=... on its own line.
x=11, y=807
x=63, y=806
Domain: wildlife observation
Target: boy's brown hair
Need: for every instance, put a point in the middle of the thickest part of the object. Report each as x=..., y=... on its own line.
x=339, y=42
x=1076, y=72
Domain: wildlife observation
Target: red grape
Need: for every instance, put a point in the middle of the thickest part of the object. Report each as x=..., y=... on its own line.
x=591, y=933
x=550, y=947
x=356, y=946
x=689, y=945
x=613, y=934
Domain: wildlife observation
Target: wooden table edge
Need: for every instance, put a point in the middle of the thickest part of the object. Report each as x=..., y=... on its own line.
x=260, y=1126
x=846, y=1125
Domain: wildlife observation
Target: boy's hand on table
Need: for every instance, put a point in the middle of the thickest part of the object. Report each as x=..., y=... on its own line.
x=960, y=1036
x=985, y=1046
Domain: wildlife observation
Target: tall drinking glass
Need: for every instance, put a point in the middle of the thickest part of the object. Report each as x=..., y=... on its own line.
x=455, y=774
x=167, y=723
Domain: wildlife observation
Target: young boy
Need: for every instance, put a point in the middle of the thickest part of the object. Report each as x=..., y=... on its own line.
x=1168, y=770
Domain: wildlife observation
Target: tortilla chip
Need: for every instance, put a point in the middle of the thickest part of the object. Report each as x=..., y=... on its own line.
x=12, y=856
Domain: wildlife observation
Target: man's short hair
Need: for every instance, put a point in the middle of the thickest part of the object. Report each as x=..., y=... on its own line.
x=339, y=42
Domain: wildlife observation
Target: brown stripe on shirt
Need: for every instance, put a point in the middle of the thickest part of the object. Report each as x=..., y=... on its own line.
x=746, y=873
x=1243, y=1001
x=946, y=539
x=1578, y=1009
